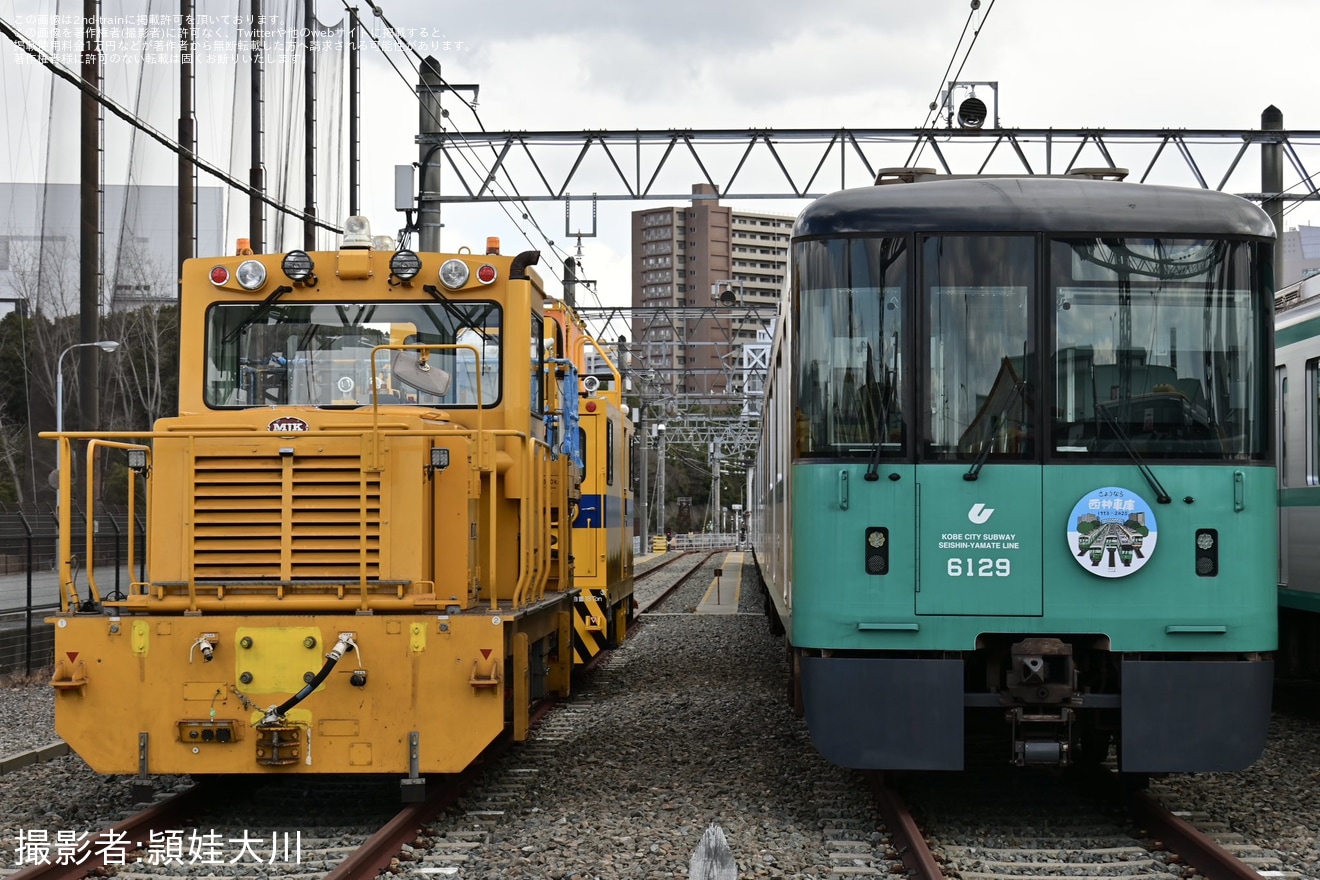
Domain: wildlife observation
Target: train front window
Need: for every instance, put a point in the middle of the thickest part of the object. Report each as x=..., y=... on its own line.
x=980, y=388
x=1159, y=340
x=320, y=354
x=849, y=348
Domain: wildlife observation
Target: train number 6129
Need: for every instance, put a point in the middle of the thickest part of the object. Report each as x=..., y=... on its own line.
x=979, y=567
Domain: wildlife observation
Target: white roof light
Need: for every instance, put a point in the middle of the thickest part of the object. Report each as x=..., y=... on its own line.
x=357, y=232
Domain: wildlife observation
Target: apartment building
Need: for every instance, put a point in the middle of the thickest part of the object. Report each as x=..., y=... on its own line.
x=705, y=281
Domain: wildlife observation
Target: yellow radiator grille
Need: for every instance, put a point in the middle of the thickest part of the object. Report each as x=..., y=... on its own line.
x=286, y=518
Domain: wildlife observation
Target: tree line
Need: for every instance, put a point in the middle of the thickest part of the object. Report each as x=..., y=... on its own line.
x=138, y=385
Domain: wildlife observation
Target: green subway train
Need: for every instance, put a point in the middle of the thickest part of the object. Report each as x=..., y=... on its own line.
x=1016, y=480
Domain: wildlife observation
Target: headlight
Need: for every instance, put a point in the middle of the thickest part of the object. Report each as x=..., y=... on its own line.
x=298, y=265
x=405, y=265
x=454, y=274
x=251, y=274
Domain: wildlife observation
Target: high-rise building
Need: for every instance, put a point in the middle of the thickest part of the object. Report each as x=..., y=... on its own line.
x=1301, y=254
x=706, y=279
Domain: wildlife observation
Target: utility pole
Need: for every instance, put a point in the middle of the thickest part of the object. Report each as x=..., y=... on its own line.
x=570, y=282
x=717, y=512
x=429, y=88
x=1271, y=182
x=660, y=478
x=257, y=173
x=187, y=135
x=309, y=125
x=353, y=89
x=644, y=450
x=89, y=221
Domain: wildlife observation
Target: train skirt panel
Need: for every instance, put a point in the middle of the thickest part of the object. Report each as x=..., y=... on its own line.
x=910, y=714
x=193, y=694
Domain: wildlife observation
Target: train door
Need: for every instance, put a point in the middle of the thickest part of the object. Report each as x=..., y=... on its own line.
x=979, y=476
x=980, y=547
x=587, y=525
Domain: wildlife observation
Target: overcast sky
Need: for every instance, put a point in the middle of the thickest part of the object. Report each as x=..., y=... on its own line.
x=586, y=64
x=618, y=64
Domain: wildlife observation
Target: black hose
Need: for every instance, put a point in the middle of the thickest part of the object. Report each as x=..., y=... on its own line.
x=330, y=661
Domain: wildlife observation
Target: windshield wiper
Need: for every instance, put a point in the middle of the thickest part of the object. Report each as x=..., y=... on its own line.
x=464, y=322
x=986, y=445
x=873, y=463
x=1160, y=495
x=261, y=311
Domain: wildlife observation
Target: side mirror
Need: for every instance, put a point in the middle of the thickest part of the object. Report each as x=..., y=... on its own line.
x=412, y=370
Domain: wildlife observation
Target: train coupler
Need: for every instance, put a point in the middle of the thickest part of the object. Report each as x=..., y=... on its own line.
x=278, y=745
x=1042, y=671
x=1041, y=736
x=485, y=675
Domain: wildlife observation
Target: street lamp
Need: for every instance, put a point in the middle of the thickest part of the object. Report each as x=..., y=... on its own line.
x=106, y=345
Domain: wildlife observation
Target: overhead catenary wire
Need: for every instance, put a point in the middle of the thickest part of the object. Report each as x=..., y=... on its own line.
x=1288, y=209
x=939, y=91
x=26, y=45
x=920, y=145
x=526, y=213
x=515, y=195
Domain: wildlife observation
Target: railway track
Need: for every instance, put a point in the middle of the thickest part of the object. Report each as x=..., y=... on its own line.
x=1012, y=825
x=661, y=583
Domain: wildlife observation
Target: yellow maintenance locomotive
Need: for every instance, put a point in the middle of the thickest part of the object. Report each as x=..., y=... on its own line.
x=360, y=540
x=602, y=533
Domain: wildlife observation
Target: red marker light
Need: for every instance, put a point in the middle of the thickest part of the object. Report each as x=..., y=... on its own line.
x=591, y=406
x=486, y=274
x=219, y=275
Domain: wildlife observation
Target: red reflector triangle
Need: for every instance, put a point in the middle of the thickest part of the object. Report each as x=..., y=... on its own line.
x=485, y=653
x=72, y=655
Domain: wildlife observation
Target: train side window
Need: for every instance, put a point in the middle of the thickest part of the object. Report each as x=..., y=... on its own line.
x=609, y=452
x=1311, y=425
x=1281, y=426
x=582, y=444
x=538, y=364
x=628, y=466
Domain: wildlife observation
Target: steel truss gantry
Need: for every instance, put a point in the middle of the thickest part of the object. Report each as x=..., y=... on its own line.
x=766, y=163
x=694, y=418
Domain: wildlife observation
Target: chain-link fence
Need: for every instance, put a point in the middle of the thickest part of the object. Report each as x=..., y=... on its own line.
x=29, y=576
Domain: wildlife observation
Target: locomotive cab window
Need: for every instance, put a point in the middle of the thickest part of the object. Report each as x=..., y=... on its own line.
x=980, y=374
x=320, y=354
x=849, y=352
x=1155, y=342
